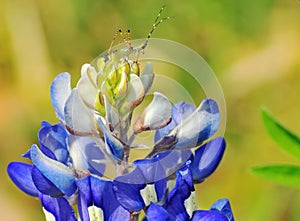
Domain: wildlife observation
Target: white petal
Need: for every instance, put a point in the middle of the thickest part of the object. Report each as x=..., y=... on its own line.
x=111, y=114
x=156, y=115
x=191, y=203
x=87, y=91
x=95, y=213
x=60, y=90
x=149, y=194
x=79, y=119
x=147, y=76
x=135, y=94
x=89, y=71
x=49, y=216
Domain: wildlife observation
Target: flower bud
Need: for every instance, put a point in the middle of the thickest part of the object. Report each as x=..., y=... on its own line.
x=99, y=104
x=135, y=68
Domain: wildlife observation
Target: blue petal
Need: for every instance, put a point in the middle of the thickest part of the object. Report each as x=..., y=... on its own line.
x=209, y=106
x=160, y=189
x=153, y=172
x=156, y=213
x=20, y=174
x=182, y=190
x=86, y=154
x=53, y=141
x=151, y=169
x=224, y=207
x=127, y=190
x=44, y=185
x=59, y=174
x=160, y=133
x=207, y=158
x=59, y=207
x=185, y=173
x=180, y=111
x=60, y=90
x=193, y=130
x=199, y=126
x=84, y=198
x=113, y=145
x=27, y=154
x=173, y=160
x=202, y=215
x=104, y=197
x=99, y=189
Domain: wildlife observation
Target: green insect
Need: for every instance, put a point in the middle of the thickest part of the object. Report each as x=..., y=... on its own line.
x=118, y=65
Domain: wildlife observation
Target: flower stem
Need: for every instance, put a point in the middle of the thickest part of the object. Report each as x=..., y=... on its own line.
x=134, y=216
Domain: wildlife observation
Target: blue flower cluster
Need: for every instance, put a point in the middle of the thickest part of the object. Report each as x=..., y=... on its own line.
x=80, y=169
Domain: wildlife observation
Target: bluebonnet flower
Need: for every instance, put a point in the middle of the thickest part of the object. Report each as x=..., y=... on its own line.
x=82, y=163
x=65, y=171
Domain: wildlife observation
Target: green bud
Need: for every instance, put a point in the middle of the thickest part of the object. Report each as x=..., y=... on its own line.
x=113, y=78
x=120, y=90
x=124, y=67
x=135, y=68
x=99, y=104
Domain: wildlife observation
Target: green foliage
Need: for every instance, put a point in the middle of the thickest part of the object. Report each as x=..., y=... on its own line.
x=282, y=174
x=287, y=140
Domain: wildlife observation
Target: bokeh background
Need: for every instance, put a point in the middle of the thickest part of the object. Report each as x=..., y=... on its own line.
x=252, y=46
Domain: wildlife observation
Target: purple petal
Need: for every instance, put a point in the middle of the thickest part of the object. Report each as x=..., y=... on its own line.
x=151, y=169
x=84, y=198
x=60, y=90
x=182, y=190
x=58, y=207
x=223, y=205
x=153, y=172
x=53, y=141
x=20, y=174
x=104, y=197
x=160, y=189
x=44, y=185
x=127, y=190
x=173, y=160
x=157, y=213
x=207, y=158
x=59, y=174
x=202, y=215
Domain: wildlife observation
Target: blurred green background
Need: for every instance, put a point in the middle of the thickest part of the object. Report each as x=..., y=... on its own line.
x=253, y=47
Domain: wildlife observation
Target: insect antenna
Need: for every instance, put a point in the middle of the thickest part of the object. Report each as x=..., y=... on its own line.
x=154, y=26
x=113, y=41
x=129, y=39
